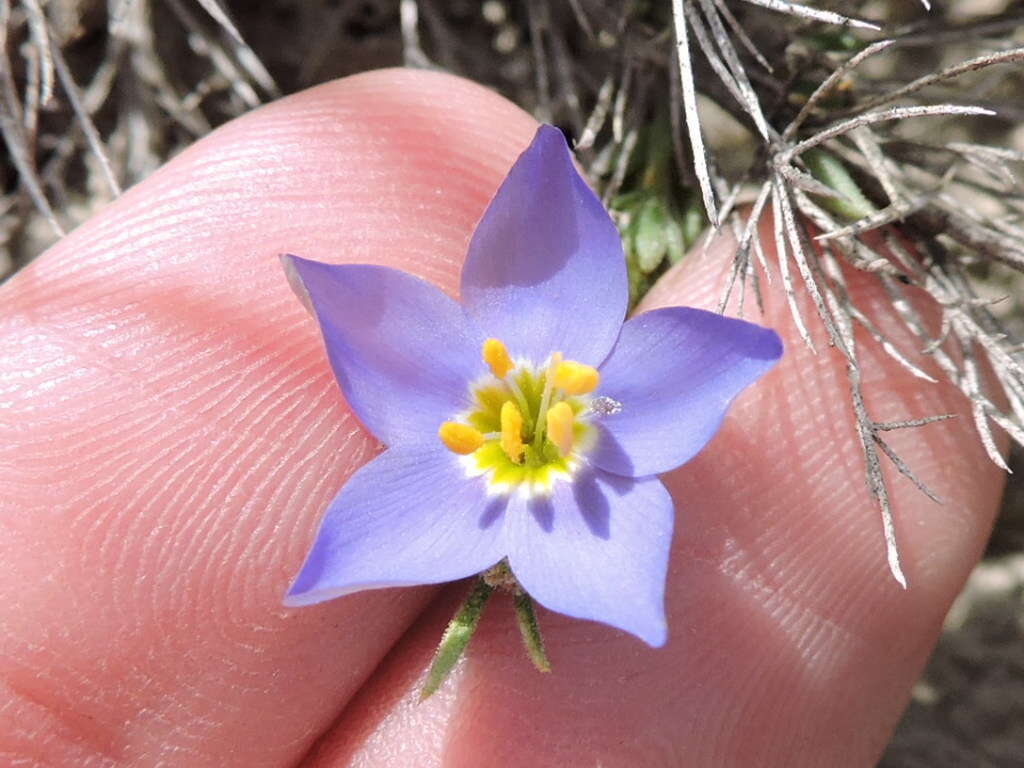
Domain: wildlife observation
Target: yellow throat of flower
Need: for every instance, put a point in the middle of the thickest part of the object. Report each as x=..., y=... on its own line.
x=528, y=425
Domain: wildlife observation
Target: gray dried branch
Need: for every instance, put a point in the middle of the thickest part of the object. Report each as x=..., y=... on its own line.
x=245, y=55
x=854, y=251
x=782, y=251
x=92, y=136
x=208, y=46
x=13, y=130
x=865, y=427
x=888, y=426
x=887, y=346
x=749, y=99
x=814, y=14
x=800, y=180
x=797, y=238
x=537, y=14
x=409, y=19
x=623, y=159
x=971, y=65
x=741, y=257
x=870, y=118
x=873, y=160
x=700, y=161
x=707, y=47
x=886, y=173
x=598, y=115
x=43, y=46
x=937, y=284
x=137, y=27
x=568, y=87
x=742, y=36
x=903, y=469
x=978, y=408
x=829, y=83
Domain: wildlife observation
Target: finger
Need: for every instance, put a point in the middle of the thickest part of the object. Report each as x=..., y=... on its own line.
x=170, y=432
x=790, y=643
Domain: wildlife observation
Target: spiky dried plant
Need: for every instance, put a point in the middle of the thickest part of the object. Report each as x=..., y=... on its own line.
x=846, y=169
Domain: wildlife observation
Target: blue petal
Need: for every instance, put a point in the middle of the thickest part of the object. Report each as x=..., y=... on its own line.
x=597, y=549
x=675, y=371
x=403, y=352
x=410, y=516
x=545, y=270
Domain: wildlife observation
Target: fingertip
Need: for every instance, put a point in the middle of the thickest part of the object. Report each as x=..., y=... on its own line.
x=175, y=432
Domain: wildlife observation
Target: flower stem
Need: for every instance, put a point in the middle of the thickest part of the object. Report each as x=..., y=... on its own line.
x=456, y=637
x=531, y=632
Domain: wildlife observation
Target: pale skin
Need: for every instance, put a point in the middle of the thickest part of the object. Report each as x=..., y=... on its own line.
x=170, y=433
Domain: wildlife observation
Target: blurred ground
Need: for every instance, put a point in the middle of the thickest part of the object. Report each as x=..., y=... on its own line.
x=967, y=708
x=152, y=93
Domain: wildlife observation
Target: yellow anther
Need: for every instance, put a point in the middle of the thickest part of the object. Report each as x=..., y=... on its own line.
x=576, y=378
x=496, y=356
x=560, y=420
x=512, y=431
x=553, y=362
x=460, y=438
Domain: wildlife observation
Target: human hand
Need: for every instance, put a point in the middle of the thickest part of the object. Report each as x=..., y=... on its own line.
x=170, y=433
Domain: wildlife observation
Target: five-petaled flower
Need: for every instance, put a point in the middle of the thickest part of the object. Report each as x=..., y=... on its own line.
x=527, y=423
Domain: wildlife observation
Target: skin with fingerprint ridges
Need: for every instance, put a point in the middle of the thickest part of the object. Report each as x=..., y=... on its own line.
x=170, y=433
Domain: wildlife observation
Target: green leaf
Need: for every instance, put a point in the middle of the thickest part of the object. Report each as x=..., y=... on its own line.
x=694, y=221
x=638, y=283
x=627, y=200
x=651, y=235
x=828, y=169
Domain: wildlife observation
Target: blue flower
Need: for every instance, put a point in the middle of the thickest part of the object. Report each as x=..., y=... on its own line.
x=527, y=423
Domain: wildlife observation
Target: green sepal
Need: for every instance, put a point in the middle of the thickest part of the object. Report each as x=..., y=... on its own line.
x=528, y=628
x=456, y=637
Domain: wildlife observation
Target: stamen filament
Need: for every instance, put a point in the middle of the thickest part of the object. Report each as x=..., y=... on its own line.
x=524, y=407
x=495, y=354
x=545, y=400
